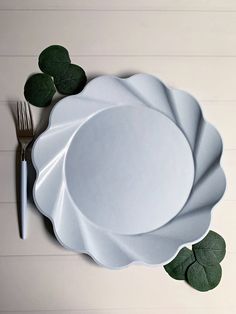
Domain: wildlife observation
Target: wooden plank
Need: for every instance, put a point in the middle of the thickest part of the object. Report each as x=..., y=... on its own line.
x=119, y=33
x=40, y=236
x=118, y=5
x=206, y=78
x=221, y=115
x=222, y=222
x=58, y=283
x=41, y=240
x=133, y=311
x=229, y=165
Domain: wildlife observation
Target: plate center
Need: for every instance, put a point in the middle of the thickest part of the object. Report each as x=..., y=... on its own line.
x=129, y=169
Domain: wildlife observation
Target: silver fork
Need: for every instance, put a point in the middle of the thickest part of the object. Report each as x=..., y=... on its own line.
x=25, y=134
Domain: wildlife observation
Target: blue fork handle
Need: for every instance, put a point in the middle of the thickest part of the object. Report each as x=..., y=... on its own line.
x=23, y=199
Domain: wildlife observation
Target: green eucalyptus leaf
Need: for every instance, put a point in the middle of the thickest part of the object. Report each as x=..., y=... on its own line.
x=39, y=89
x=54, y=60
x=71, y=81
x=178, y=266
x=204, y=278
x=211, y=250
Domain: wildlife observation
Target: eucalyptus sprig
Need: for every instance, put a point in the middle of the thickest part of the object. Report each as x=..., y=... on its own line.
x=39, y=89
x=59, y=74
x=54, y=60
x=200, y=267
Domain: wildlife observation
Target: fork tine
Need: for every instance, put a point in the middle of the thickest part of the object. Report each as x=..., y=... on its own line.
x=19, y=115
x=26, y=116
x=22, y=115
x=30, y=117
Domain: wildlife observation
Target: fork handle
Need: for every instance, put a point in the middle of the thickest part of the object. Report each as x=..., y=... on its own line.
x=23, y=199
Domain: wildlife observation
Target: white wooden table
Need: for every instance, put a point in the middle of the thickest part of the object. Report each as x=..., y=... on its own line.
x=190, y=45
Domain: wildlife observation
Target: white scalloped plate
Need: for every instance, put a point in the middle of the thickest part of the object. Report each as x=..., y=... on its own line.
x=128, y=171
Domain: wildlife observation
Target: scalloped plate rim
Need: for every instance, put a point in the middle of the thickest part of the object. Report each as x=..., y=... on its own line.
x=133, y=262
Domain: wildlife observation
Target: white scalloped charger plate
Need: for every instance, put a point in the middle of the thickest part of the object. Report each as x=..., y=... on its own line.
x=128, y=171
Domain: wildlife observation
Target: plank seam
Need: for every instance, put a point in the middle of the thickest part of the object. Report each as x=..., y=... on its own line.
x=166, y=55
x=82, y=310
x=75, y=255
x=145, y=10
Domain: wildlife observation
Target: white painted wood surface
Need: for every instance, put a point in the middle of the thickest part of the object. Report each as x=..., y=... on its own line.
x=190, y=45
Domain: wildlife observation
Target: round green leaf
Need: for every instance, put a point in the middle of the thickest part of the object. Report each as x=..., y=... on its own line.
x=72, y=81
x=211, y=250
x=204, y=278
x=39, y=90
x=54, y=60
x=177, y=268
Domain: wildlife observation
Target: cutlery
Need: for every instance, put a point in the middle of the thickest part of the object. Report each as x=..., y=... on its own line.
x=25, y=135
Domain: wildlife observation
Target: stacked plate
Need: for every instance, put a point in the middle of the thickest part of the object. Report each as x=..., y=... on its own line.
x=128, y=171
